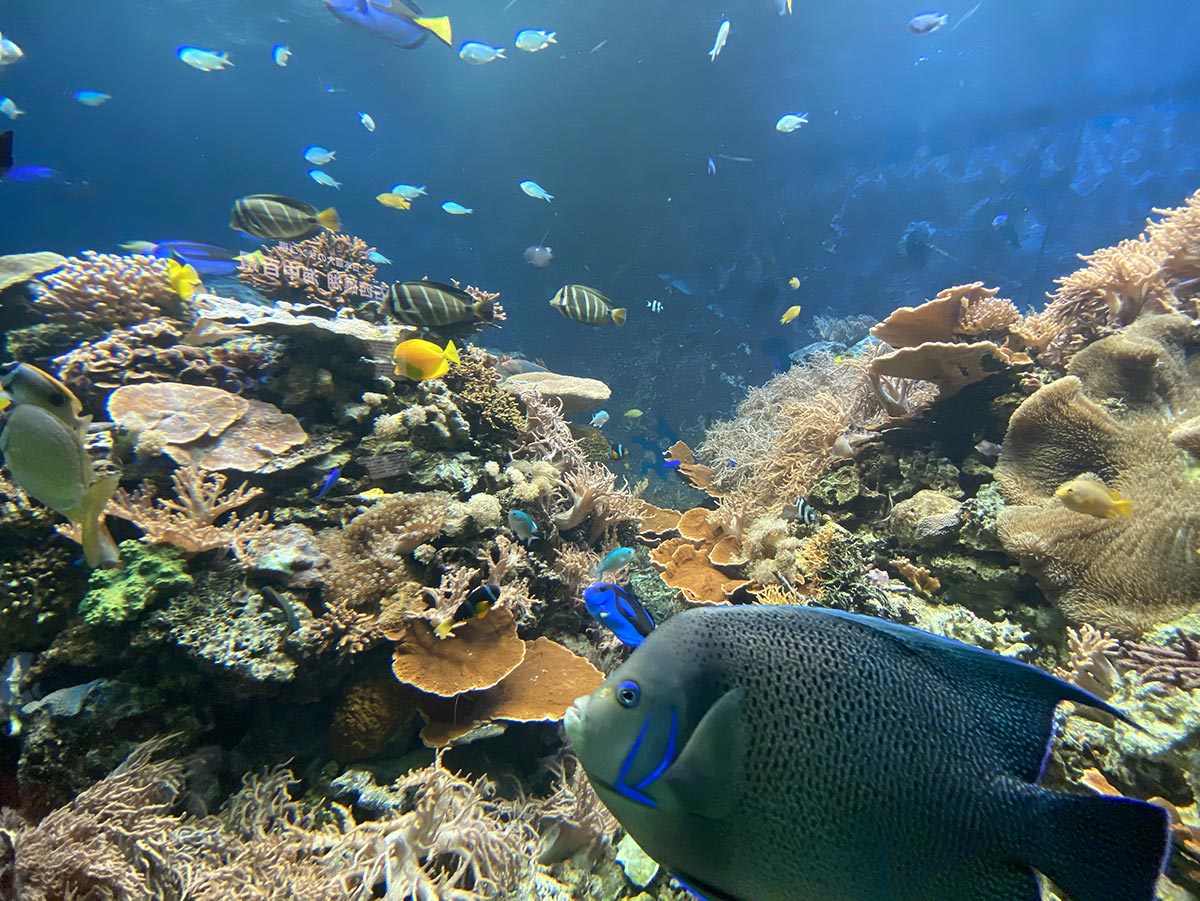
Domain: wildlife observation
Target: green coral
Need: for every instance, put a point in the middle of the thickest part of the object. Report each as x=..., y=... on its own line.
x=837, y=488
x=151, y=573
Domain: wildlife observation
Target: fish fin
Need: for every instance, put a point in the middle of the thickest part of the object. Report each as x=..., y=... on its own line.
x=704, y=778
x=328, y=219
x=1120, y=506
x=451, y=352
x=1099, y=847
x=99, y=549
x=701, y=890
x=619, y=314
x=1016, y=701
x=550, y=38
x=445, y=629
x=439, y=26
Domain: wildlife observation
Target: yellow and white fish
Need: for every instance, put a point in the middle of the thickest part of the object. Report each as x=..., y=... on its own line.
x=204, y=60
x=1087, y=494
x=789, y=314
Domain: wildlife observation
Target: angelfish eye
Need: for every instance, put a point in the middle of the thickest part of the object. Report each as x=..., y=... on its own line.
x=628, y=694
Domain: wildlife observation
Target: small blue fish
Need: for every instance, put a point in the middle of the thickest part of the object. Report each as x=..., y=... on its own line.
x=712, y=167
x=619, y=611
x=376, y=257
x=924, y=23
x=531, y=40
x=280, y=53
x=456, y=209
x=319, y=156
x=536, y=191
x=1003, y=226
x=616, y=559
x=522, y=525
x=330, y=479
x=31, y=173
x=324, y=178
x=671, y=464
x=478, y=54
x=92, y=98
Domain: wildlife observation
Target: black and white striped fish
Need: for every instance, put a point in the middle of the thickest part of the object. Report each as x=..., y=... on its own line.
x=654, y=306
x=801, y=511
x=278, y=218
x=587, y=305
x=432, y=303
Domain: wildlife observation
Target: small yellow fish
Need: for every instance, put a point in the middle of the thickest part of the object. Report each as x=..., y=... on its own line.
x=1093, y=497
x=635, y=413
x=394, y=201
x=794, y=283
x=184, y=279
x=789, y=314
x=423, y=360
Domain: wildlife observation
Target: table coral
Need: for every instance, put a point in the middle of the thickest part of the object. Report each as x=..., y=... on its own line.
x=99, y=291
x=18, y=268
x=208, y=427
x=1129, y=572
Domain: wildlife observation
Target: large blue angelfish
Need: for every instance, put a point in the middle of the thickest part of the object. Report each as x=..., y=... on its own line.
x=398, y=21
x=784, y=753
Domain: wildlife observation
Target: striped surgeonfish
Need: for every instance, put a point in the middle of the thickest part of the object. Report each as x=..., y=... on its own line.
x=587, y=305
x=279, y=218
x=432, y=304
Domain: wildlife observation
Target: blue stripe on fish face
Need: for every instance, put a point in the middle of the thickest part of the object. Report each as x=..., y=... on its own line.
x=637, y=792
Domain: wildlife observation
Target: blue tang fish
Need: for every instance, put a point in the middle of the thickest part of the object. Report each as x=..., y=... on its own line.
x=766, y=753
x=206, y=259
x=615, y=608
x=398, y=21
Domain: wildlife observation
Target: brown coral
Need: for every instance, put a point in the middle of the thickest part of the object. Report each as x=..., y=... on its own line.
x=481, y=653
x=541, y=689
x=100, y=291
x=686, y=567
x=1176, y=663
x=18, y=268
x=327, y=270
x=1128, y=572
x=156, y=351
x=496, y=416
x=368, y=715
x=212, y=428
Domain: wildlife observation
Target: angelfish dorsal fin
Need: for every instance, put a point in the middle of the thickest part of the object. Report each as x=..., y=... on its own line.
x=707, y=777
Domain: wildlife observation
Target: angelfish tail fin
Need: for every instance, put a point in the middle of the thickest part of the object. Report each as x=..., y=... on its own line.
x=1099, y=848
x=99, y=549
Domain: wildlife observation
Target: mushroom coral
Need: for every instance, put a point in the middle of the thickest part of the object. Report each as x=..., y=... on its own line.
x=1112, y=417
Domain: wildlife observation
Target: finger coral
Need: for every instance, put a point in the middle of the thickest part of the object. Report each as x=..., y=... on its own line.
x=1128, y=572
x=100, y=291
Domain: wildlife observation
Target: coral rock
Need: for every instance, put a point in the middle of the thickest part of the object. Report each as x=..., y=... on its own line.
x=481, y=653
x=17, y=268
x=369, y=714
x=575, y=393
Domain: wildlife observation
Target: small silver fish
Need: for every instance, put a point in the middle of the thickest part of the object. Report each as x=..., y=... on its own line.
x=989, y=448
x=367, y=122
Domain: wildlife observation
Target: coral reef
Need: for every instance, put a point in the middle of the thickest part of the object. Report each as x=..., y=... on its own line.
x=1128, y=572
x=325, y=271
x=95, y=292
x=151, y=573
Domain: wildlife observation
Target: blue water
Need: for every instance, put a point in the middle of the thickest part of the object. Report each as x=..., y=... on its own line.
x=1072, y=118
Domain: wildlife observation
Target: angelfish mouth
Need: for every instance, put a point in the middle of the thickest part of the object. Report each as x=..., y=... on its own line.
x=573, y=718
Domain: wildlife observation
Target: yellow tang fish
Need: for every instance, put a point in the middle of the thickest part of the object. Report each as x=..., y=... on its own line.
x=423, y=360
x=789, y=314
x=394, y=201
x=794, y=283
x=1091, y=496
x=184, y=279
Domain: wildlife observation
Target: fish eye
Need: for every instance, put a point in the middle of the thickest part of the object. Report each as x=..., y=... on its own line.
x=628, y=694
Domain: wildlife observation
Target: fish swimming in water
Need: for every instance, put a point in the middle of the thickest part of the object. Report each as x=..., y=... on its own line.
x=6, y=152
x=1088, y=494
x=9, y=52
x=536, y=191
x=330, y=480
x=421, y=360
x=478, y=54
x=319, y=156
x=925, y=23
x=777, y=753
x=433, y=303
x=9, y=108
x=989, y=448
x=454, y=208
x=654, y=306
x=587, y=305
x=400, y=22
x=789, y=314
x=279, y=218
x=92, y=98
x=794, y=283
x=204, y=60
x=280, y=54
x=789, y=123
x=719, y=43
x=43, y=446
x=367, y=122
x=321, y=177
x=378, y=259
x=538, y=256
x=409, y=192
x=599, y=420
x=616, y=559
x=394, y=201
x=531, y=40
x=206, y=259
x=476, y=605
x=1002, y=225
x=183, y=279
x=522, y=525
x=633, y=413
x=801, y=511
x=618, y=610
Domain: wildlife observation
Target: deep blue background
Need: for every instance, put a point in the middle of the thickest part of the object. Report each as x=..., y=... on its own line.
x=1074, y=119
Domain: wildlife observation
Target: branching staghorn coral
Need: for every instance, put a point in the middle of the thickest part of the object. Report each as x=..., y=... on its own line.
x=189, y=522
x=573, y=818
x=101, y=291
